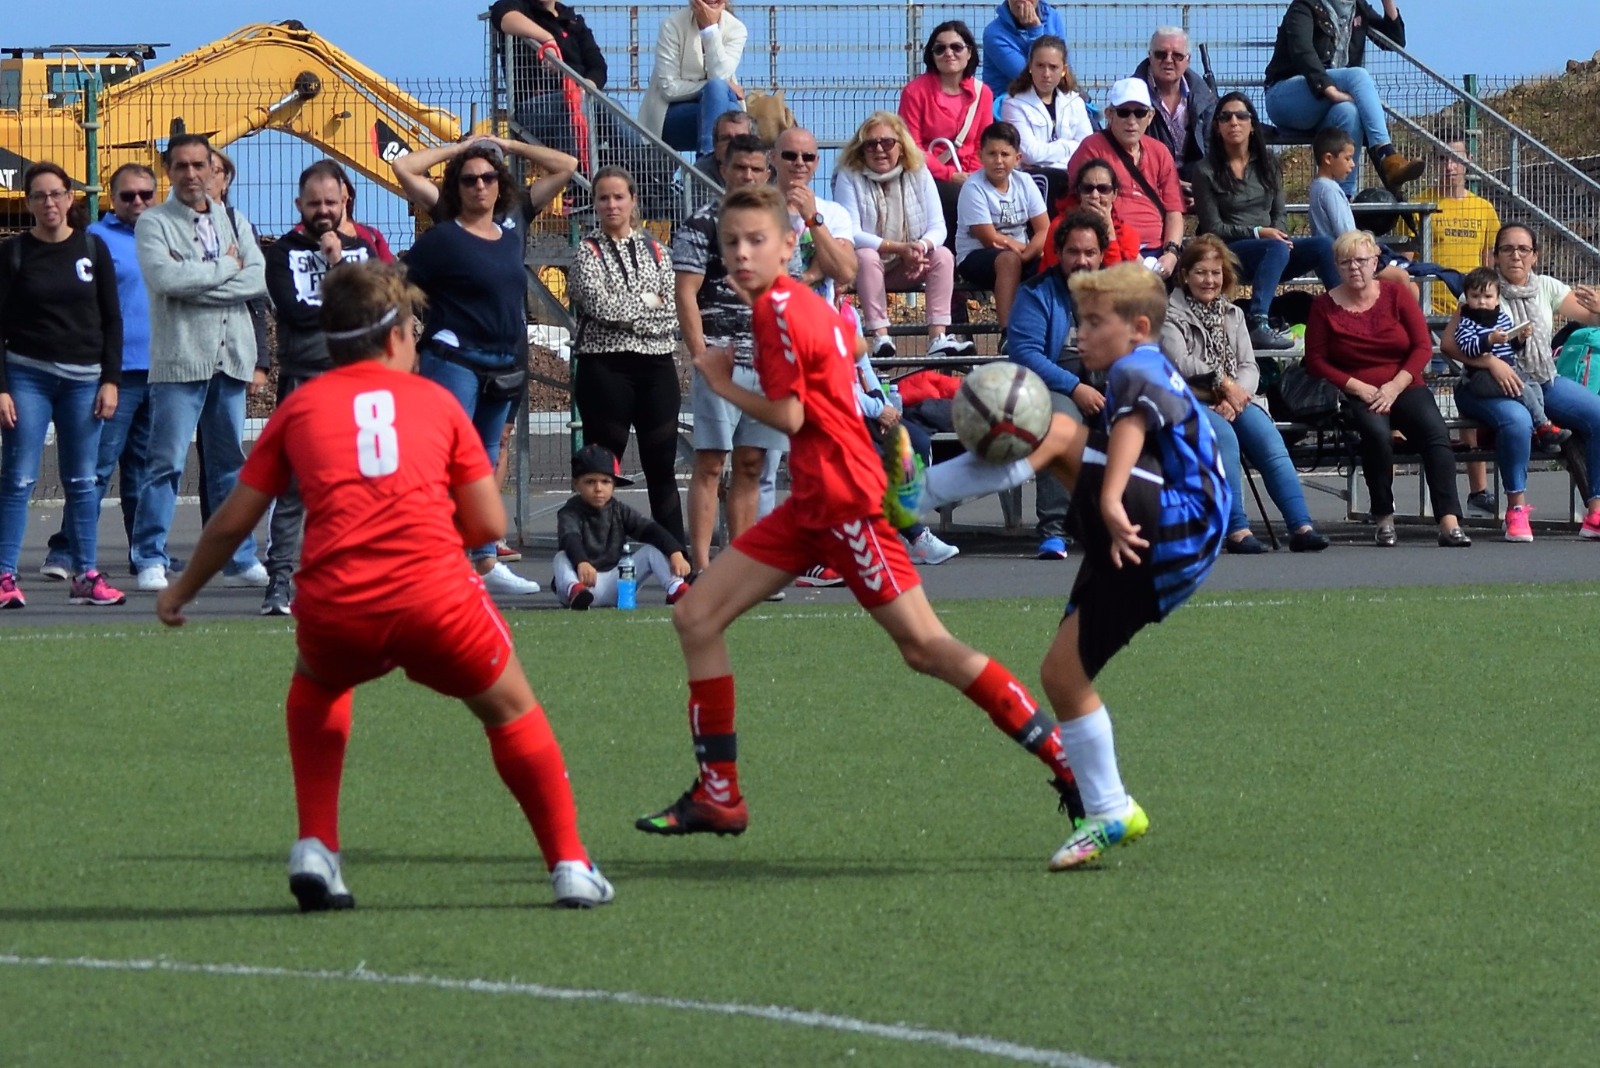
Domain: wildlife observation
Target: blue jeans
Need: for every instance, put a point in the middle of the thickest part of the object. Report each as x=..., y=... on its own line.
x=1262, y=445
x=1266, y=261
x=124, y=441
x=214, y=408
x=1228, y=449
x=687, y=126
x=1569, y=406
x=1291, y=103
x=488, y=416
x=42, y=398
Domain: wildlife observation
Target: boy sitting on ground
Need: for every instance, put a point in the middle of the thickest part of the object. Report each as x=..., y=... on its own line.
x=593, y=528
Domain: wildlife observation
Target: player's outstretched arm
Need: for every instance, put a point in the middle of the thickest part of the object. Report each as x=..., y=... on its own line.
x=480, y=513
x=229, y=525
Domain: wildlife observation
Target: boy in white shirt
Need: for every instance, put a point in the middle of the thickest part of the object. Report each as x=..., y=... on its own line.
x=1000, y=220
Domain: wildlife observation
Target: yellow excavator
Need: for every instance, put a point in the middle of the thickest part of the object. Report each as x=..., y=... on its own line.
x=92, y=108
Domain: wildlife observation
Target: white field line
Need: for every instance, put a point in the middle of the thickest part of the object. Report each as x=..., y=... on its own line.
x=990, y=1047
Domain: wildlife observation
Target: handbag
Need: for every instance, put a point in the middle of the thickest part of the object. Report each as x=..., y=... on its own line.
x=1578, y=358
x=960, y=139
x=1304, y=398
x=503, y=385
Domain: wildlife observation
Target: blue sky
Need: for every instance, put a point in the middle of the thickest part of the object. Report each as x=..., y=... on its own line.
x=424, y=38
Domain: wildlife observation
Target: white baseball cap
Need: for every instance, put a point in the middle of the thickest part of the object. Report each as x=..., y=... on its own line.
x=1130, y=91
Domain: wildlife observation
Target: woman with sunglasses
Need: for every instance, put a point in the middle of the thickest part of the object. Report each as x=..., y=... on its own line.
x=946, y=110
x=883, y=181
x=1048, y=111
x=61, y=328
x=1238, y=196
x=1370, y=339
x=1315, y=79
x=1529, y=297
x=695, y=77
x=470, y=265
x=1096, y=193
x=1205, y=337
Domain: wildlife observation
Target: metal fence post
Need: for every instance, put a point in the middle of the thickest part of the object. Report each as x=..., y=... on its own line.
x=1469, y=114
x=91, y=143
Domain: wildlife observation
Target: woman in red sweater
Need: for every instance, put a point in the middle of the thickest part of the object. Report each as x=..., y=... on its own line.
x=1097, y=189
x=1369, y=338
x=945, y=109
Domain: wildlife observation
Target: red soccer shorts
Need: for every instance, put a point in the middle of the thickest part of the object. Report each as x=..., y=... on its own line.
x=867, y=552
x=458, y=650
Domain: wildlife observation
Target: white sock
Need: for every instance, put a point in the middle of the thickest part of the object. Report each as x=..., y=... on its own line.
x=967, y=476
x=1093, y=756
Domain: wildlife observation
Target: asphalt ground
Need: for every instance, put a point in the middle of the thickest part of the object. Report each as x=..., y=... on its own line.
x=993, y=562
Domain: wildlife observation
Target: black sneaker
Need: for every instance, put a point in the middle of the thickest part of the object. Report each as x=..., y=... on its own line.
x=1484, y=501
x=696, y=815
x=278, y=600
x=1263, y=337
x=1071, y=801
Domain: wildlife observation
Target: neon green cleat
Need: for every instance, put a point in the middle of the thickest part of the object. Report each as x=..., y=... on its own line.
x=1098, y=833
x=902, y=498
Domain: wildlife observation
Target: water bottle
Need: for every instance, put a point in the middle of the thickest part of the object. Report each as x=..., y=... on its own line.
x=894, y=399
x=627, y=584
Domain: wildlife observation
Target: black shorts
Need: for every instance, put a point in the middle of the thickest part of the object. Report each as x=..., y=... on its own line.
x=1112, y=603
x=978, y=267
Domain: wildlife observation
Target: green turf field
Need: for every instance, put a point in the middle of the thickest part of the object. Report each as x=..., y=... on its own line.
x=1372, y=843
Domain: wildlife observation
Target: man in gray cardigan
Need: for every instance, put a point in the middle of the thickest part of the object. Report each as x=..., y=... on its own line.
x=201, y=264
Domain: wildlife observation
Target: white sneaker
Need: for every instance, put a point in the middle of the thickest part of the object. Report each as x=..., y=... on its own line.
x=950, y=345
x=580, y=886
x=503, y=581
x=152, y=579
x=929, y=549
x=314, y=877
x=253, y=576
x=883, y=348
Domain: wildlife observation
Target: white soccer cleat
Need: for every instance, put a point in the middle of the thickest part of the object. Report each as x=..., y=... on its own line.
x=504, y=582
x=253, y=577
x=579, y=886
x=928, y=548
x=314, y=878
x=152, y=579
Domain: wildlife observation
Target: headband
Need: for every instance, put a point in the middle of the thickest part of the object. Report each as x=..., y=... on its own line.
x=362, y=331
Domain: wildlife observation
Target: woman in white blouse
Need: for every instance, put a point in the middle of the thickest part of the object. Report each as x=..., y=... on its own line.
x=697, y=57
x=884, y=183
x=1044, y=104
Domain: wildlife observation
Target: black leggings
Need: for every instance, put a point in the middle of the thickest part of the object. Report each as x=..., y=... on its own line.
x=617, y=391
x=1416, y=416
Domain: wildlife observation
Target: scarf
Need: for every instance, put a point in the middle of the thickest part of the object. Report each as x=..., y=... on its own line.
x=1219, y=351
x=1343, y=14
x=889, y=204
x=1525, y=305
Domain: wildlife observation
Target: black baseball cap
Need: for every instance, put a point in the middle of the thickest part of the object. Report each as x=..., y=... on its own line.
x=598, y=460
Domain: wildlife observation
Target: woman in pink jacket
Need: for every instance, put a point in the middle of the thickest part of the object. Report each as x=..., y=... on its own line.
x=946, y=109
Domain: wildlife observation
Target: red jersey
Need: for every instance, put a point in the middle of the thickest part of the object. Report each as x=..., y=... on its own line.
x=376, y=453
x=801, y=351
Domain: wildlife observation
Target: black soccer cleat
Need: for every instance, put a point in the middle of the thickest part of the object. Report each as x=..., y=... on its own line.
x=691, y=814
x=1071, y=801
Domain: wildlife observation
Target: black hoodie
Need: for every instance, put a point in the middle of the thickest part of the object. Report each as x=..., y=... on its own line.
x=294, y=282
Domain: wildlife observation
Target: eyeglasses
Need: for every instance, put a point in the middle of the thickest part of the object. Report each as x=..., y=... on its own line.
x=1233, y=116
x=1515, y=250
x=1130, y=113
x=481, y=178
x=1169, y=53
x=790, y=155
x=880, y=144
x=1105, y=189
x=128, y=196
x=955, y=48
x=53, y=194
x=1358, y=263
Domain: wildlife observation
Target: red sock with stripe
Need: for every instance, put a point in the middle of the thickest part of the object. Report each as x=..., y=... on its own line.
x=1013, y=710
x=529, y=762
x=319, y=730
x=716, y=746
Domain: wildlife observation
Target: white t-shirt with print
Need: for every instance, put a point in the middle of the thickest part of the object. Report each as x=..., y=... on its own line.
x=981, y=204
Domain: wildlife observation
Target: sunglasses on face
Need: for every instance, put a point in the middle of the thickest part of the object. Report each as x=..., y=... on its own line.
x=1105, y=189
x=790, y=155
x=128, y=196
x=955, y=48
x=1172, y=54
x=1130, y=113
x=481, y=178
x=880, y=144
x=1233, y=116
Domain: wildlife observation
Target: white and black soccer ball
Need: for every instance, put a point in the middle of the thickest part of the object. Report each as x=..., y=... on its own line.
x=1002, y=412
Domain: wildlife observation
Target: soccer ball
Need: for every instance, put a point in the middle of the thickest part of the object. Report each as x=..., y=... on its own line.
x=1001, y=412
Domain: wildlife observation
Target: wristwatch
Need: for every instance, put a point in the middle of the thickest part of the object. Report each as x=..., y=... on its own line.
x=816, y=219
x=1172, y=247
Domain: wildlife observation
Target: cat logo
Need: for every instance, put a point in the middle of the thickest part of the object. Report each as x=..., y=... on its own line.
x=386, y=144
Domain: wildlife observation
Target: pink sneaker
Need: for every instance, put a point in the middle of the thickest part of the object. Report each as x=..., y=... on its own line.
x=1591, y=526
x=91, y=587
x=1517, y=528
x=10, y=594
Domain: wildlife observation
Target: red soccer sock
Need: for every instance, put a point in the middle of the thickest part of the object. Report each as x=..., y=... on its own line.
x=1013, y=710
x=716, y=746
x=529, y=762
x=319, y=729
